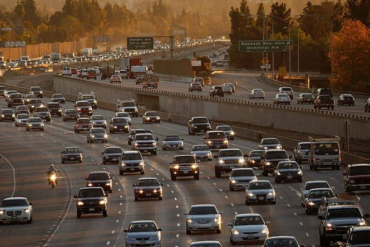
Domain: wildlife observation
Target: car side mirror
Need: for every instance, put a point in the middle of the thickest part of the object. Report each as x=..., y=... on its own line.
x=80, y=151
x=106, y=195
x=246, y=155
x=31, y=203
x=230, y=224
x=161, y=184
x=215, y=156
x=267, y=222
x=157, y=139
x=75, y=196
x=301, y=167
x=102, y=152
x=86, y=179
x=62, y=152
x=220, y=212
x=320, y=217
x=171, y=163
x=366, y=215
x=124, y=230
x=182, y=139
x=189, y=121
x=344, y=173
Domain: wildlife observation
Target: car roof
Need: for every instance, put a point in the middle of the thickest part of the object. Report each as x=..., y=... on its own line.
x=317, y=181
x=203, y=205
x=358, y=165
x=215, y=131
x=95, y=172
x=142, y=221
x=144, y=134
x=243, y=169
x=88, y=188
x=79, y=101
x=244, y=215
x=259, y=181
x=183, y=155
x=131, y=152
x=228, y=149
x=317, y=189
x=222, y=126
x=304, y=143
x=280, y=237
x=343, y=207
x=205, y=242
x=113, y=147
x=270, y=138
x=148, y=178
x=361, y=228
x=16, y=198
x=71, y=147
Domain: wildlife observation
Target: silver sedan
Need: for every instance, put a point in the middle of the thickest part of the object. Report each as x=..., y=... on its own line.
x=97, y=135
x=201, y=152
x=172, y=142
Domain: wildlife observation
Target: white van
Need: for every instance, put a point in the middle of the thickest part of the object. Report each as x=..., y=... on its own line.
x=66, y=71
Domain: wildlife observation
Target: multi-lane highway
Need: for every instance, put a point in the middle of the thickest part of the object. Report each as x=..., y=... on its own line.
x=55, y=222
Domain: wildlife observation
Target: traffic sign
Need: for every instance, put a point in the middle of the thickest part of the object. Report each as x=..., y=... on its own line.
x=140, y=43
x=264, y=45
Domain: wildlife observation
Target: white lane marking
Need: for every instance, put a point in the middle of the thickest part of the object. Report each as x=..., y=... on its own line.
x=108, y=243
x=178, y=224
x=296, y=191
x=120, y=204
x=172, y=191
x=295, y=214
x=119, y=212
x=177, y=235
x=113, y=231
x=288, y=205
x=232, y=205
x=307, y=234
x=236, y=212
x=214, y=183
x=250, y=208
x=117, y=221
x=220, y=190
x=208, y=177
x=280, y=197
x=178, y=215
x=175, y=199
x=226, y=197
x=92, y=159
x=177, y=206
x=334, y=179
x=10, y=164
x=301, y=223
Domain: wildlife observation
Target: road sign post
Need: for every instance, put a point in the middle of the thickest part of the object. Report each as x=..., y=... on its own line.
x=140, y=43
x=264, y=45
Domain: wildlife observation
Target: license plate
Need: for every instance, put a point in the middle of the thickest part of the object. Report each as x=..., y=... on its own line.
x=186, y=172
x=250, y=236
x=72, y=158
x=14, y=217
x=261, y=198
x=91, y=209
x=142, y=242
x=132, y=169
x=289, y=177
x=363, y=187
x=145, y=150
x=114, y=159
x=148, y=194
x=344, y=236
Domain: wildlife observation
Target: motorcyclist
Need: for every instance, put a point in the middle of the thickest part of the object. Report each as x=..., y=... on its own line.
x=52, y=170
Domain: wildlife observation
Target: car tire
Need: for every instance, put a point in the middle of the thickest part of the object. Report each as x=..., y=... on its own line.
x=104, y=162
x=274, y=202
x=300, y=180
x=160, y=198
x=232, y=242
x=217, y=172
x=277, y=181
x=164, y=149
x=247, y=202
x=30, y=220
x=105, y=213
x=188, y=232
x=121, y=173
x=173, y=177
x=265, y=173
x=79, y=214
x=308, y=212
x=196, y=177
x=142, y=172
x=80, y=161
x=63, y=162
x=154, y=153
x=231, y=189
x=218, y=231
x=315, y=168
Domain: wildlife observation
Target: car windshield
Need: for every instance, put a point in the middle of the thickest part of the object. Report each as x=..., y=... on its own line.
x=71, y=111
x=288, y=165
x=113, y=150
x=216, y=135
x=304, y=146
x=360, y=237
x=256, y=153
x=286, y=89
x=53, y=106
x=43, y=109
x=184, y=159
x=233, y=152
x=344, y=213
x=283, y=96
x=124, y=104
x=270, y=141
x=276, y=155
x=22, y=116
x=172, y=138
x=152, y=113
x=34, y=120
x=320, y=193
x=202, y=210
x=91, y=193
x=98, y=176
x=132, y=156
x=359, y=170
x=83, y=121
x=236, y=173
x=310, y=186
x=97, y=118
x=33, y=101
x=83, y=104
x=259, y=186
x=205, y=245
x=88, y=97
x=144, y=137
x=14, y=203
x=327, y=149
x=143, y=227
x=200, y=120
x=71, y=150
x=122, y=114
x=224, y=128
x=101, y=131
x=57, y=96
x=7, y=111
x=119, y=120
x=35, y=89
x=248, y=220
x=147, y=182
x=280, y=243
x=200, y=148
x=15, y=95
x=307, y=96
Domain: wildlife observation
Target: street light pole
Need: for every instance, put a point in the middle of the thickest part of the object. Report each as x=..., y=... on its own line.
x=290, y=58
x=298, y=52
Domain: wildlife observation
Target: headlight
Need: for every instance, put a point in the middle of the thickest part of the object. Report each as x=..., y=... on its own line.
x=126, y=126
x=299, y=172
x=265, y=148
x=105, y=136
x=209, y=154
x=135, y=109
x=236, y=232
x=351, y=181
x=209, y=142
x=78, y=108
x=2, y=115
x=123, y=164
x=311, y=203
x=195, y=127
x=29, y=124
x=147, y=118
x=136, y=145
x=362, y=223
x=27, y=211
x=233, y=181
x=268, y=163
x=93, y=136
x=154, y=144
x=329, y=225
x=226, y=141
x=60, y=110
x=271, y=193
x=80, y=203
x=241, y=161
x=141, y=191
x=2, y=211
x=221, y=161
x=156, y=190
x=13, y=115
x=176, y=167
x=250, y=194
x=194, y=166
x=115, y=127
x=32, y=106
x=53, y=177
x=253, y=161
x=278, y=173
x=158, y=118
x=107, y=184
x=279, y=147
x=265, y=230
x=188, y=220
x=90, y=184
x=232, y=133
x=102, y=202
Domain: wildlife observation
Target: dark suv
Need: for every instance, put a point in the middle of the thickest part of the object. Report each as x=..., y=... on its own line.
x=323, y=101
x=367, y=105
x=357, y=177
x=100, y=179
x=198, y=124
x=271, y=158
x=36, y=90
x=324, y=91
x=184, y=165
x=91, y=200
x=15, y=99
x=54, y=108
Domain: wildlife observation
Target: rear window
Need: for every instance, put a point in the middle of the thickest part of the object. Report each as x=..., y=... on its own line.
x=276, y=155
x=359, y=170
x=310, y=186
x=98, y=176
x=200, y=120
x=248, y=173
x=226, y=153
x=216, y=135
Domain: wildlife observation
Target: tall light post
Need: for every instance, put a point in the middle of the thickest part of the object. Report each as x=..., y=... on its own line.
x=185, y=39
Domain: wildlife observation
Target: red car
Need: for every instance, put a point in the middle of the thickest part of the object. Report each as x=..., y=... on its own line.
x=357, y=177
x=83, y=108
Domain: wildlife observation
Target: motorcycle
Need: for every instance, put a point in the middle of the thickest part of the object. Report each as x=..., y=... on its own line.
x=53, y=179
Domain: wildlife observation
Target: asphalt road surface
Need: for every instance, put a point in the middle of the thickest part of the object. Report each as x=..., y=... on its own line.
x=55, y=222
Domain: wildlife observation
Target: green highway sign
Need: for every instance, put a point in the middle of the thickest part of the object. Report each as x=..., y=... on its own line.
x=140, y=43
x=264, y=45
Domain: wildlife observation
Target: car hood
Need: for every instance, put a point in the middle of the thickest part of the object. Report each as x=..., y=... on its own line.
x=14, y=208
x=71, y=154
x=231, y=158
x=142, y=234
x=254, y=158
x=91, y=198
x=147, y=187
x=344, y=221
x=172, y=142
x=35, y=123
x=22, y=120
x=83, y=107
x=288, y=170
x=145, y=141
x=243, y=178
x=200, y=124
x=98, y=121
x=200, y=152
x=97, y=134
x=203, y=216
x=119, y=124
x=112, y=154
x=98, y=181
x=249, y=228
x=131, y=161
x=265, y=191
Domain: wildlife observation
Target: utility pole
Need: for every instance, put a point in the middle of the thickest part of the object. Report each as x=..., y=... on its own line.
x=332, y=51
x=263, y=36
x=290, y=58
x=298, y=52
